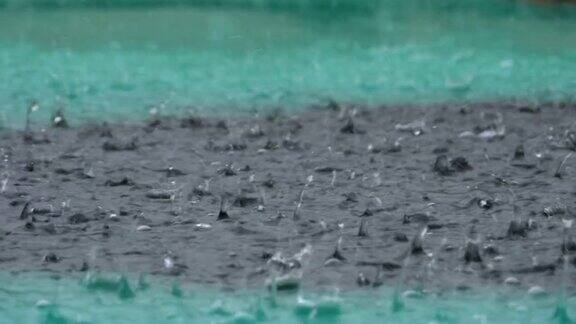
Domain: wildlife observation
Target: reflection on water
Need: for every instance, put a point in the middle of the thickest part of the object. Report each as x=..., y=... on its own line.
x=117, y=62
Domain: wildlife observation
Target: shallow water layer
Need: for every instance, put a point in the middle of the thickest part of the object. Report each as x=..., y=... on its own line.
x=374, y=199
x=95, y=298
x=119, y=62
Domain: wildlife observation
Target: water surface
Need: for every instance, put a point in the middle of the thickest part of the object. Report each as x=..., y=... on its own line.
x=115, y=299
x=102, y=62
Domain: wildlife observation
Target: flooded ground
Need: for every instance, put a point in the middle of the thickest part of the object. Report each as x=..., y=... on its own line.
x=339, y=197
x=296, y=161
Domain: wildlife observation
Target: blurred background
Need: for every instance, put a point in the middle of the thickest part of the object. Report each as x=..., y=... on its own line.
x=117, y=59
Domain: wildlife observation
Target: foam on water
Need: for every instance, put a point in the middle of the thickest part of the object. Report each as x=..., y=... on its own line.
x=37, y=298
x=118, y=63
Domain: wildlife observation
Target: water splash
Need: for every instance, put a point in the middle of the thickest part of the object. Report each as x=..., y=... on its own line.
x=31, y=298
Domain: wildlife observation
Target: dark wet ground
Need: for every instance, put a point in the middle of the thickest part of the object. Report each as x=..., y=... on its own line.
x=146, y=198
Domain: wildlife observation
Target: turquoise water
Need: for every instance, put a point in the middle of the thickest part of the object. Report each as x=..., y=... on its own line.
x=114, y=299
x=298, y=5
x=237, y=56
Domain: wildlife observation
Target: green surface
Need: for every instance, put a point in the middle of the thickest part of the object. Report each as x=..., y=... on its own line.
x=103, y=62
x=293, y=5
x=34, y=298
